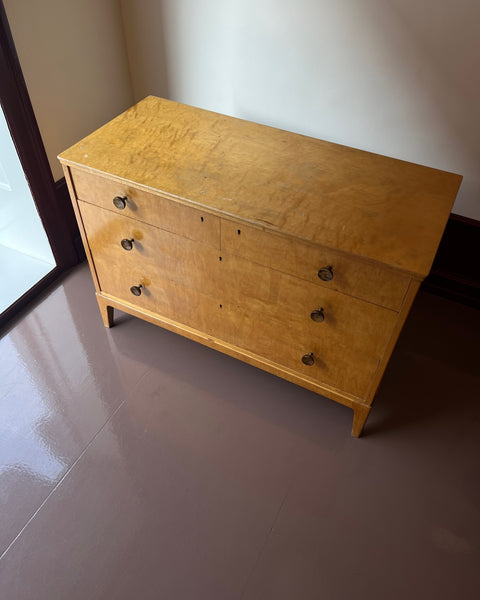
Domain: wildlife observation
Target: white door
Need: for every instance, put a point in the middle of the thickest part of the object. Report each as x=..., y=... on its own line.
x=25, y=253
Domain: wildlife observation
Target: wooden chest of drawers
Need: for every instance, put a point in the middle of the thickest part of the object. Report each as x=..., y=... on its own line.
x=298, y=256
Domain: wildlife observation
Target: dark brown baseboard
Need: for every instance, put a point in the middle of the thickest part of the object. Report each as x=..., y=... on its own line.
x=455, y=272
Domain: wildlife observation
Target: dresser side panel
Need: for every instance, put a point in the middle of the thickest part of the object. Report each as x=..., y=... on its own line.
x=402, y=316
x=81, y=227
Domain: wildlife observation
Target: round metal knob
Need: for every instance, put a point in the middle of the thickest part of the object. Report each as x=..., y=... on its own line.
x=120, y=202
x=326, y=273
x=136, y=290
x=127, y=244
x=308, y=359
x=317, y=315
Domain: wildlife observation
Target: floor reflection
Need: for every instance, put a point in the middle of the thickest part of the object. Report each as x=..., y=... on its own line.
x=58, y=386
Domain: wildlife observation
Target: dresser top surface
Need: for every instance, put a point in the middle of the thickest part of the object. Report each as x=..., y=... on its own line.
x=377, y=207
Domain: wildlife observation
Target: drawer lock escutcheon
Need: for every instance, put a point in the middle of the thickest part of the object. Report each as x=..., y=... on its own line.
x=127, y=244
x=120, y=202
x=317, y=315
x=136, y=289
x=308, y=359
x=325, y=273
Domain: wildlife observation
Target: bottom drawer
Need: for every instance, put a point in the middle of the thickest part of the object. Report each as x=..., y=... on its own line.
x=337, y=365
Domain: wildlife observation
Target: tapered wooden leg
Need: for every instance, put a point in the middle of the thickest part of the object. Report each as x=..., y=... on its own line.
x=360, y=414
x=106, y=311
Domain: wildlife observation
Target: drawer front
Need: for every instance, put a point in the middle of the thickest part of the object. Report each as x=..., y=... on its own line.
x=269, y=295
x=163, y=297
x=336, y=365
x=342, y=367
x=148, y=208
x=247, y=305
x=170, y=256
x=352, y=276
x=308, y=309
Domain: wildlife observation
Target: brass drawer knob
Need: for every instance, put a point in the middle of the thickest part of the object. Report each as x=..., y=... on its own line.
x=136, y=290
x=308, y=359
x=120, y=202
x=326, y=273
x=317, y=315
x=127, y=244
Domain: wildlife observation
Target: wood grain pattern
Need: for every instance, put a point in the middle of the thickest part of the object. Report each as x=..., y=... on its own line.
x=148, y=208
x=231, y=222
x=260, y=291
x=184, y=281
x=155, y=252
x=362, y=279
x=338, y=363
x=289, y=301
x=339, y=197
x=319, y=387
x=339, y=366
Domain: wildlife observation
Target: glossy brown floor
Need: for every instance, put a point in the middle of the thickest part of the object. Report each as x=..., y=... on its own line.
x=137, y=464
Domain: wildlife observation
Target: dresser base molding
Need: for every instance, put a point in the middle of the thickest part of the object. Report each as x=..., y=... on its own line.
x=107, y=304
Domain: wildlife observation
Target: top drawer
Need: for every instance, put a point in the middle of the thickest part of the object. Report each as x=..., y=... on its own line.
x=149, y=208
x=351, y=275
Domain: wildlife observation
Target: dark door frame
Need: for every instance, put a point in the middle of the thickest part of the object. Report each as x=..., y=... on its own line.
x=56, y=215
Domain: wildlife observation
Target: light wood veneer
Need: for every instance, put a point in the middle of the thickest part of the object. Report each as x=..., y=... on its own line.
x=230, y=222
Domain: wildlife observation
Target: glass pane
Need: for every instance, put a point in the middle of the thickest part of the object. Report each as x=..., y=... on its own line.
x=25, y=253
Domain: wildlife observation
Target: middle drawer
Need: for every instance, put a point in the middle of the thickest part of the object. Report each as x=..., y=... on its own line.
x=192, y=264
x=348, y=274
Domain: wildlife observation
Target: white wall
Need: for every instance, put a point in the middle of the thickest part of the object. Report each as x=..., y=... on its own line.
x=397, y=77
x=73, y=58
